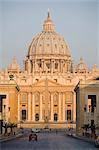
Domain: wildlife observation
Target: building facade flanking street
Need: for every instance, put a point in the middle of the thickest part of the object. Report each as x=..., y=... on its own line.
x=87, y=100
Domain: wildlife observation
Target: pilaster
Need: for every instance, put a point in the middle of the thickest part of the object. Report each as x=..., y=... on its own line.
x=63, y=106
x=59, y=107
x=33, y=108
x=18, y=107
x=51, y=107
x=40, y=107
x=29, y=106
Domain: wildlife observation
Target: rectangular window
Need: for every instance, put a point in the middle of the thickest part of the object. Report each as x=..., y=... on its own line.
x=0, y=105
x=68, y=114
x=23, y=114
x=92, y=102
x=2, y=97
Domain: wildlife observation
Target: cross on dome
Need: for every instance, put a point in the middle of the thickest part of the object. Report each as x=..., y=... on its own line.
x=48, y=15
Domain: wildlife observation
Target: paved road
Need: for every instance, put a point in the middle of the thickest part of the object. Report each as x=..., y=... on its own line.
x=47, y=141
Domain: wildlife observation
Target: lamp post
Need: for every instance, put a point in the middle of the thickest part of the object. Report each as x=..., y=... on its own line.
x=11, y=77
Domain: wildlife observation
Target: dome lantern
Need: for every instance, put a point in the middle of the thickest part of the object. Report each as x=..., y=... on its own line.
x=48, y=25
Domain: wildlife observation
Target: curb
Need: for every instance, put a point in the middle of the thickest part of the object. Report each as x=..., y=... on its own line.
x=82, y=138
x=11, y=138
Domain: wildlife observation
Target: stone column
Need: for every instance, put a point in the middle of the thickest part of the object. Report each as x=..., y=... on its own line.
x=40, y=107
x=29, y=106
x=68, y=66
x=74, y=107
x=58, y=66
x=61, y=66
x=33, y=66
x=64, y=66
x=33, y=108
x=52, y=65
x=59, y=105
x=42, y=64
x=63, y=106
x=18, y=107
x=51, y=107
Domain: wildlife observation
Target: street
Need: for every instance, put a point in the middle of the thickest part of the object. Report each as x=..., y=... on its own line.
x=47, y=141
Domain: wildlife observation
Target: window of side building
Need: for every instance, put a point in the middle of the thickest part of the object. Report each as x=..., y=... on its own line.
x=36, y=117
x=24, y=114
x=91, y=103
x=55, y=117
x=68, y=115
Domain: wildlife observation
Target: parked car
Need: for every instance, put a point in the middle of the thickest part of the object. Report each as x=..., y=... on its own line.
x=97, y=142
x=33, y=130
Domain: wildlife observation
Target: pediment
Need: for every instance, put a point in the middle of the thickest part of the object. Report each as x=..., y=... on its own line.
x=53, y=83
x=46, y=82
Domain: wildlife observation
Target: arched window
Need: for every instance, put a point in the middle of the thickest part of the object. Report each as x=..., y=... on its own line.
x=55, y=117
x=36, y=117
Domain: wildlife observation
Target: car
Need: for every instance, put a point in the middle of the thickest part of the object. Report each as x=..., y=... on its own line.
x=34, y=130
x=97, y=142
x=33, y=137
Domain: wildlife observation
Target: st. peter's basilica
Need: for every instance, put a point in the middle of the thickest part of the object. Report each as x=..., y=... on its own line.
x=42, y=94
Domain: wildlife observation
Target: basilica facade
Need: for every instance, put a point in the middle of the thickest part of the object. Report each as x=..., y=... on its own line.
x=42, y=94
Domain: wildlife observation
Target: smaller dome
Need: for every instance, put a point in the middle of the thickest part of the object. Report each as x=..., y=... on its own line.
x=81, y=67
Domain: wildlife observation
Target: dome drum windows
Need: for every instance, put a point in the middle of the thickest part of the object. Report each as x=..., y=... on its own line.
x=48, y=65
x=56, y=65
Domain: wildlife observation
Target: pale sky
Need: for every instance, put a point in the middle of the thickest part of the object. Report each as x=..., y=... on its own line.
x=76, y=20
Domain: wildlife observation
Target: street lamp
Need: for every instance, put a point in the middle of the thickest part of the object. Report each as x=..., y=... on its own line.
x=11, y=77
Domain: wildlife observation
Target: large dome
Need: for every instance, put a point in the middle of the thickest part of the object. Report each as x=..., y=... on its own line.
x=48, y=42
